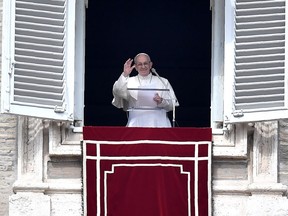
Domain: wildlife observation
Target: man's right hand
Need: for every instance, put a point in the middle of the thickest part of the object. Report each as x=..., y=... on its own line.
x=128, y=68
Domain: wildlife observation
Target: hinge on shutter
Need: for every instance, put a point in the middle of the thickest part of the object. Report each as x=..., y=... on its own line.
x=6, y=104
x=238, y=113
x=60, y=109
x=12, y=67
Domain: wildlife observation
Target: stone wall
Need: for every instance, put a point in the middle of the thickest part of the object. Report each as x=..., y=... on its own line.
x=283, y=151
x=8, y=160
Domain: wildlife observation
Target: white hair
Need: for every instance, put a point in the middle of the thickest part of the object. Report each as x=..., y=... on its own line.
x=139, y=54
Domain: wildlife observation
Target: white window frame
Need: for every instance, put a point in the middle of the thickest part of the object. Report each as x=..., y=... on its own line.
x=228, y=140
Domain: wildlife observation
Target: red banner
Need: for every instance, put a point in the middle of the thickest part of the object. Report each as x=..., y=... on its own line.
x=147, y=171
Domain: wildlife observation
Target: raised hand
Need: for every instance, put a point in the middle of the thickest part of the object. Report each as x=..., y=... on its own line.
x=127, y=69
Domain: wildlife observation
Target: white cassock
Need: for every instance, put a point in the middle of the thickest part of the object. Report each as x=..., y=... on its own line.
x=135, y=95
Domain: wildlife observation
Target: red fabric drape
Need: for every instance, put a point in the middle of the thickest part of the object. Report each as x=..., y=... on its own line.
x=147, y=171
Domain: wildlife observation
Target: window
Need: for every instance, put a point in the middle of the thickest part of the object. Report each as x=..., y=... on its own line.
x=39, y=71
x=41, y=43
x=228, y=140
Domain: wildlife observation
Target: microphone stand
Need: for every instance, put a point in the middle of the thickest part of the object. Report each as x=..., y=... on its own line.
x=173, y=100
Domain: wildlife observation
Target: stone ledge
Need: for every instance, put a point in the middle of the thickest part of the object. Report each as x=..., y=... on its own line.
x=230, y=187
x=61, y=186
x=267, y=188
x=244, y=187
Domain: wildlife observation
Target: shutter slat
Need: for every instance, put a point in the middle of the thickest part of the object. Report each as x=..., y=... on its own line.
x=39, y=94
x=261, y=31
x=40, y=6
x=259, y=85
x=259, y=38
x=257, y=106
x=263, y=78
x=48, y=2
x=44, y=41
x=267, y=91
x=257, y=52
x=41, y=61
x=267, y=24
x=259, y=65
x=259, y=58
x=37, y=87
x=39, y=27
x=248, y=4
x=38, y=47
x=50, y=20
x=259, y=98
x=258, y=18
x=37, y=80
x=40, y=34
x=38, y=67
x=260, y=71
x=43, y=101
x=40, y=74
x=39, y=53
x=260, y=44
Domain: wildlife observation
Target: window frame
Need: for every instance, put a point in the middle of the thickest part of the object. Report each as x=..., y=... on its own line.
x=229, y=140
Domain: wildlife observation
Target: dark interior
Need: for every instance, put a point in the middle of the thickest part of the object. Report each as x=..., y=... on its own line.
x=176, y=35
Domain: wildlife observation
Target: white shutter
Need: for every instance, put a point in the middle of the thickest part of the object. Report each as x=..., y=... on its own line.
x=38, y=59
x=259, y=84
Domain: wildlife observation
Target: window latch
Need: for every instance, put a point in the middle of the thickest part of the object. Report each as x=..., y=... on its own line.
x=238, y=113
x=59, y=109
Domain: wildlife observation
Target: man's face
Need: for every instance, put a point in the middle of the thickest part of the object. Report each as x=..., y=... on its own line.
x=143, y=65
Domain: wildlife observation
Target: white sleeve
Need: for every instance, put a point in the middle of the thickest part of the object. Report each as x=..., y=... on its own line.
x=120, y=92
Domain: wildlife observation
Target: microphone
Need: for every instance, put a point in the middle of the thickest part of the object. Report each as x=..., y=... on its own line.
x=155, y=72
x=173, y=100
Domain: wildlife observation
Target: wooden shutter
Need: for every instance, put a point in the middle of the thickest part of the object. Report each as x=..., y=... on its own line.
x=260, y=79
x=39, y=66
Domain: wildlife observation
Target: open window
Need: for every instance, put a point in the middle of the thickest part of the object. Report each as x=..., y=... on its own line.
x=39, y=71
x=41, y=43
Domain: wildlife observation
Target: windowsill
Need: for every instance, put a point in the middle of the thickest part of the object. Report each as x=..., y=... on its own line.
x=78, y=129
x=216, y=131
x=230, y=143
x=63, y=142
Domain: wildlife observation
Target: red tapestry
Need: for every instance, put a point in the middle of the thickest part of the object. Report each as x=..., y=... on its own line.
x=147, y=171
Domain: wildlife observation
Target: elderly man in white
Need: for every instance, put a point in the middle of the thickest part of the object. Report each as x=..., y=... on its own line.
x=145, y=96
